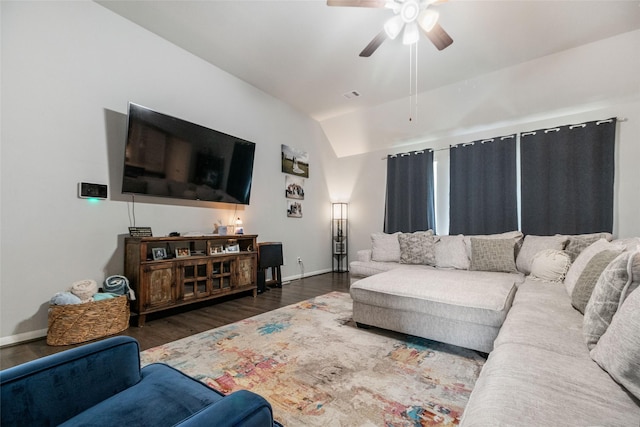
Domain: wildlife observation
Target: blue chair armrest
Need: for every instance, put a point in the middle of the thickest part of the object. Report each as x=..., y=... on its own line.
x=52, y=389
x=241, y=408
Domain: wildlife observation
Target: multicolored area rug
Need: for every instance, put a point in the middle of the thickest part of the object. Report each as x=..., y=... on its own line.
x=316, y=368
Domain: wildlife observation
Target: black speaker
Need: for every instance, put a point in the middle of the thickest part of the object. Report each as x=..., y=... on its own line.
x=269, y=255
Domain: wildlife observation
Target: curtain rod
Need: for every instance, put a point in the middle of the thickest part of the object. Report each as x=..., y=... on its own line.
x=619, y=119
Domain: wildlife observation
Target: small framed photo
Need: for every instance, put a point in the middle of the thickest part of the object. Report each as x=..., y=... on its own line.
x=233, y=248
x=216, y=249
x=182, y=252
x=339, y=248
x=159, y=253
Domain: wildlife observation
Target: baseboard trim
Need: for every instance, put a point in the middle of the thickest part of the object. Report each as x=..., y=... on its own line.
x=307, y=274
x=21, y=338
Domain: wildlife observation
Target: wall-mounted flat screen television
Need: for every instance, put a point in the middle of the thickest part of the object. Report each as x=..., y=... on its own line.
x=169, y=157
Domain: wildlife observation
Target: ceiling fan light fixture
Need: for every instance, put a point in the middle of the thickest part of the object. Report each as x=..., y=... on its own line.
x=428, y=19
x=409, y=11
x=411, y=34
x=393, y=26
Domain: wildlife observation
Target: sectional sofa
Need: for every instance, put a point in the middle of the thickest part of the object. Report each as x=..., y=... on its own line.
x=559, y=317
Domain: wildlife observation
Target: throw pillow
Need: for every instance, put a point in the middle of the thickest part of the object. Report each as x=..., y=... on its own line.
x=493, y=255
x=417, y=248
x=617, y=351
x=550, y=265
x=534, y=244
x=385, y=247
x=517, y=237
x=579, y=242
x=614, y=284
x=582, y=260
x=451, y=253
x=587, y=281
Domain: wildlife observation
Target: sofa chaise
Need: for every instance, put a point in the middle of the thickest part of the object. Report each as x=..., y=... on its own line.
x=535, y=317
x=101, y=384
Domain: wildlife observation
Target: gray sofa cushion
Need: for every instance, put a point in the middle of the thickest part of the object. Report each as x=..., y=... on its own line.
x=451, y=252
x=579, y=242
x=583, y=259
x=385, y=247
x=521, y=385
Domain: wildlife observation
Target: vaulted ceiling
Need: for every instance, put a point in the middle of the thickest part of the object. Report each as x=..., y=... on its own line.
x=305, y=53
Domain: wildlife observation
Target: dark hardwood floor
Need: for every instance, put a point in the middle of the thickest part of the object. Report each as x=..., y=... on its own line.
x=169, y=326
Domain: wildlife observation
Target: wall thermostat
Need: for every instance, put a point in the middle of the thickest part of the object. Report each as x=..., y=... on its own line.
x=92, y=191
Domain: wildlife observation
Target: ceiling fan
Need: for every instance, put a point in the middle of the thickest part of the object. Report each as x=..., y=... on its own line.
x=410, y=15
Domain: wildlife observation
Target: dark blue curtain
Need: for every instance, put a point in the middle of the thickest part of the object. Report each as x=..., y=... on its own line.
x=409, y=202
x=483, y=187
x=567, y=178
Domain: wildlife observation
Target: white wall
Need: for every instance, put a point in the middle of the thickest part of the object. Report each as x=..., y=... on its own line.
x=555, y=90
x=68, y=71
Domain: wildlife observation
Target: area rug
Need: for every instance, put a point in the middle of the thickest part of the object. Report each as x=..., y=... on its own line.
x=316, y=368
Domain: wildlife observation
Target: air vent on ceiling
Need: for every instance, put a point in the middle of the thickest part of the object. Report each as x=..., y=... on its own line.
x=351, y=94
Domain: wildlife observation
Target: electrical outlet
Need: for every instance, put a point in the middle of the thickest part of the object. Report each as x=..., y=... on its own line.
x=299, y=260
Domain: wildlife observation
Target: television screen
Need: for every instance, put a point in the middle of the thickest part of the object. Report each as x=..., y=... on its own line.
x=169, y=157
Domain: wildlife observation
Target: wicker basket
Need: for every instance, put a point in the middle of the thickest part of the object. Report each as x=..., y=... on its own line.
x=76, y=323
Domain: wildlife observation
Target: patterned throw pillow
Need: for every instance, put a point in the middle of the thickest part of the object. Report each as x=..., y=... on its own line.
x=617, y=350
x=579, y=242
x=550, y=265
x=534, y=244
x=417, y=248
x=583, y=259
x=493, y=255
x=614, y=284
x=587, y=281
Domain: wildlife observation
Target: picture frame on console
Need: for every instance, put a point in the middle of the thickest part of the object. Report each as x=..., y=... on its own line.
x=216, y=249
x=183, y=252
x=158, y=253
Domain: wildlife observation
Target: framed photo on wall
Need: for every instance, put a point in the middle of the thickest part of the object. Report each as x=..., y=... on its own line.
x=294, y=187
x=294, y=161
x=294, y=209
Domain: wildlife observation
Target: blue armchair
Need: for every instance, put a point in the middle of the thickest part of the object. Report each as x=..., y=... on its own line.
x=101, y=384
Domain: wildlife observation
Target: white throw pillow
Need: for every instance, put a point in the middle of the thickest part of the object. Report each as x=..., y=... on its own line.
x=385, y=247
x=451, y=253
x=550, y=265
x=534, y=244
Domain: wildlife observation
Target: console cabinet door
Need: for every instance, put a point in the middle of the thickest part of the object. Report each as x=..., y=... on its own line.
x=159, y=280
x=245, y=271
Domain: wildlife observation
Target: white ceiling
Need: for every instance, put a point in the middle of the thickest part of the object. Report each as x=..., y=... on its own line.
x=306, y=53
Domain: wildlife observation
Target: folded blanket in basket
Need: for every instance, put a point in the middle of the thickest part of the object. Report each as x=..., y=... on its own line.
x=64, y=298
x=118, y=285
x=84, y=289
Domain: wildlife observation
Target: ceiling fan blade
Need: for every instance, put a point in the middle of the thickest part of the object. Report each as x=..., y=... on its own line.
x=357, y=3
x=438, y=37
x=374, y=44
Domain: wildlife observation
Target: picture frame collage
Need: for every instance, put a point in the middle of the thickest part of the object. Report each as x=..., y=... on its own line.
x=295, y=163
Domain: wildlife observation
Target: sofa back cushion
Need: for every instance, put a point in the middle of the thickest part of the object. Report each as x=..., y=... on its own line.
x=534, y=244
x=451, y=252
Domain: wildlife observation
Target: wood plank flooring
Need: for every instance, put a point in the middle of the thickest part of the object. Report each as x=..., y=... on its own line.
x=169, y=326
